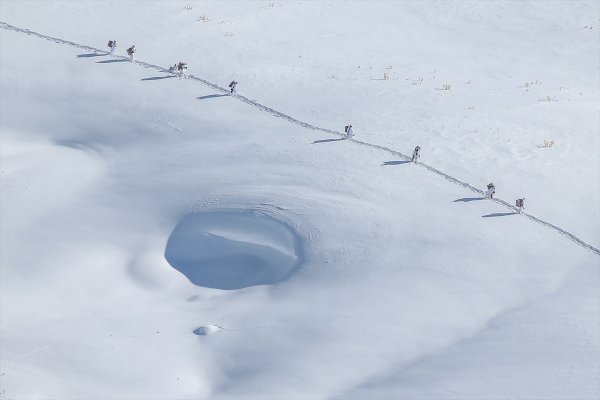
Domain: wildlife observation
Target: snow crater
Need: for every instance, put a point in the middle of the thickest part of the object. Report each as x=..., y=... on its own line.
x=234, y=249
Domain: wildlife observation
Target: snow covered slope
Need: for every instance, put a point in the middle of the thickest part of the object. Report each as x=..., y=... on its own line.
x=400, y=283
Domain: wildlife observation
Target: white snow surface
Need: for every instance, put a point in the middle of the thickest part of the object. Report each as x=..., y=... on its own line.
x=407, y=285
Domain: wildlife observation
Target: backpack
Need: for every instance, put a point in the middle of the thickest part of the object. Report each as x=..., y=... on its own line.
x=231, y=84
x=346, y=128
x=519, y=203
x=110, y=43
x=490, y=186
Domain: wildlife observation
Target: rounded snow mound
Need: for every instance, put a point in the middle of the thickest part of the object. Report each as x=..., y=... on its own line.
x=233, y=249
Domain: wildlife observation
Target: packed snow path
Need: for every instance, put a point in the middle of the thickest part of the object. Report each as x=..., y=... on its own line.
x=291, y=119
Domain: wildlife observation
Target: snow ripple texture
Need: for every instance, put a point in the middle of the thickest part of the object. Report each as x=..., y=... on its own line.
x=307, y=125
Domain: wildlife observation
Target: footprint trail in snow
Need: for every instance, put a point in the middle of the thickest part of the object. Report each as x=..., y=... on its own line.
x=307, y=125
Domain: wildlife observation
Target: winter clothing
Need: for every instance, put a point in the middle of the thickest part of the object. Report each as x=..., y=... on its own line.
x=520, y=203
x=131, y=52
x=181, y=67
x=233, y=86
x=416, y=154
x=491, y=190
x=112, y=45
x=349, y=131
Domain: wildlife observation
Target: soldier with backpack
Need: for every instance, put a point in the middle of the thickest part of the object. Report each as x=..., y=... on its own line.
x=233, y=87
x=416, y=154
x=520, y=203
x=491, y=190
x=181, y=67
x=349, y=131
x=131, y=52
x=112, y=45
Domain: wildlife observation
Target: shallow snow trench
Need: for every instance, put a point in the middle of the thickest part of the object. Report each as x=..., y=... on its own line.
x=234, y=249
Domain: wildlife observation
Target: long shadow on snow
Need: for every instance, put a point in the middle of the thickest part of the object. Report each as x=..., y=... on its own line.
x=155, y=78
x=91, y=55
x=395, y=162
x=328, y=140
x=211, y=96
x=467, y=199
x=110, y=61
x=498, y=215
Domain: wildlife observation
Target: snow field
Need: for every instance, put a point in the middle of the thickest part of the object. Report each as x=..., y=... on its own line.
x=405, y=290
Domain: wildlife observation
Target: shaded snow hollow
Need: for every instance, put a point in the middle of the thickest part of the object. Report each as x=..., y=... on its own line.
x=233, y=249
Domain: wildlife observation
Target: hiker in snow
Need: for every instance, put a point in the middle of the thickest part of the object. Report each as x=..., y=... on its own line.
x=520, y=203
x=112, y=45
x=416, y=154
x=349, y=131
x=491, y=190
x=131, y=52
x=233, y=86
x=181, y=67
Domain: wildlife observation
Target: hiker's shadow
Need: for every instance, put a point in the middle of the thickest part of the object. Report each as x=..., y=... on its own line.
x=156, y=78
x=468, y=199
x=395, y=162
x=211, y=96
x=112, y=61
x=328, y=140
x=88, y=55
x=498, y=215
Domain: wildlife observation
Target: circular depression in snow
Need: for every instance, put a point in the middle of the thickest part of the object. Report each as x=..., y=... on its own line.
x=234, y=249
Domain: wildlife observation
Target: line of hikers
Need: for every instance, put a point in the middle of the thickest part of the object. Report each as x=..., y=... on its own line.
x=180, y=68
x=491, y=188
x=491, y=191
x=112, y=45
